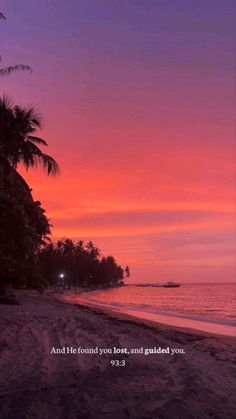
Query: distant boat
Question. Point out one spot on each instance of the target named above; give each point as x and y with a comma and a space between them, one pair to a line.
171, 284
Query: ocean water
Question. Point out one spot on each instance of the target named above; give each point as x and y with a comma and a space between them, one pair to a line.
209, 307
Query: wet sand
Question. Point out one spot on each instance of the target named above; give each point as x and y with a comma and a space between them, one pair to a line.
177, 322
36, 384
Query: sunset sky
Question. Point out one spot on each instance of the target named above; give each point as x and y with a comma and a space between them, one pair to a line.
138, 104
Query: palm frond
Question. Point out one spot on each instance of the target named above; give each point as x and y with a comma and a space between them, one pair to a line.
6, 71
17, 140
36, 140
29, 117
34, 117
50, 164
5, 103
2, 16
32, 156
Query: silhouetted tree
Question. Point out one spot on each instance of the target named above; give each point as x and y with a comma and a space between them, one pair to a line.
18, 142
23, 229
81, 264
127, 272
23, 225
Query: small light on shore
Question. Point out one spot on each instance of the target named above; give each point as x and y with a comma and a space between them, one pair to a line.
61, 275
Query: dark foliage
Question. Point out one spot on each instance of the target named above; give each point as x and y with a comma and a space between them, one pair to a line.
23, 224
70, 264
23, 229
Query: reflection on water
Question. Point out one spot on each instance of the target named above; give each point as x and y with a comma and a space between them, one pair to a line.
208, 303
215, 300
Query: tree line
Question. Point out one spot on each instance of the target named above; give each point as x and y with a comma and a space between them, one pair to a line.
69, 263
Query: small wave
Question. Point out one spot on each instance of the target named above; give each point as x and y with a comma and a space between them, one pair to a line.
165, 312
213, 310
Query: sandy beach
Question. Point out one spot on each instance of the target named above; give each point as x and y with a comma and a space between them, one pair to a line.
197, 381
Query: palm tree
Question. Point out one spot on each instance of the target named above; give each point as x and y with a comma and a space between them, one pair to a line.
5, 71
18, 142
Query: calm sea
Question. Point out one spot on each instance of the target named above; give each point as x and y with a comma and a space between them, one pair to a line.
190, 305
